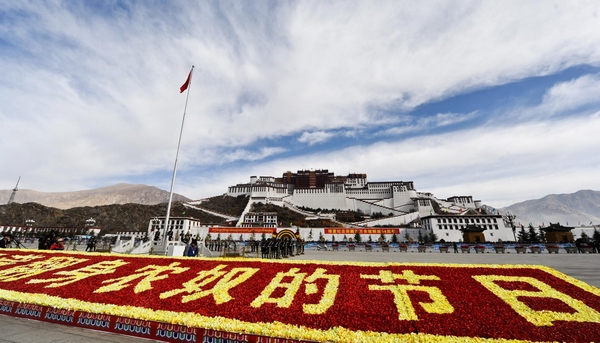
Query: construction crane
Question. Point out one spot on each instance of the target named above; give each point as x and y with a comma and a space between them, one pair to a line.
14, 192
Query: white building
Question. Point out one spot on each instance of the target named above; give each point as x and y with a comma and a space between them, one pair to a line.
398, 202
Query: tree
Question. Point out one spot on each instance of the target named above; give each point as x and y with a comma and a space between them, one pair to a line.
596, 235
382, 237
321, 237
426, 238
394, 238
522, 236
541, 235
432, 237
310, 235
332, 238
532, 234
370, 239
584, 237
420, 237
406, 236
510, 219
357, 237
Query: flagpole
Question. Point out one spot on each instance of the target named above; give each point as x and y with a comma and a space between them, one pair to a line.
189, 85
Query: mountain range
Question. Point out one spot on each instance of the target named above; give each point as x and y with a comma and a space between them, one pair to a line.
121, 193
574, 209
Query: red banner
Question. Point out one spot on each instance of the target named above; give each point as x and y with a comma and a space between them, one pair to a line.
239, 230
374, 231
312, 300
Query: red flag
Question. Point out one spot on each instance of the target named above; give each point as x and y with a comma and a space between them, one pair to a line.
186, 84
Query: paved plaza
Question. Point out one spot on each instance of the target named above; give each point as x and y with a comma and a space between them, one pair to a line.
585, 267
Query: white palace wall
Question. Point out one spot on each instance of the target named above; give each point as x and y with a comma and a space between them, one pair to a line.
319, 198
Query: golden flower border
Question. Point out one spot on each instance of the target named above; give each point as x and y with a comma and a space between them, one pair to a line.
274, 329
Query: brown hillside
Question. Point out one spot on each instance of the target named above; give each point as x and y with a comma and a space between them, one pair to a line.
110, 218
233, 206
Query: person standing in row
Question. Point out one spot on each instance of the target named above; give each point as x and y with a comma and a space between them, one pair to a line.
5, 242
58, 245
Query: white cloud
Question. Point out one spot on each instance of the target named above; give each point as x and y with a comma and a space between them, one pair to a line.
428, 123
574, 94
315, 137
92, 94
498, 165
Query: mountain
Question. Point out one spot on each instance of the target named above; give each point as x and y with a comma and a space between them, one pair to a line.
121, 193
579, 208
110, 218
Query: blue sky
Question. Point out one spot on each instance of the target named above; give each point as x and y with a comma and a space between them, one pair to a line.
499, 100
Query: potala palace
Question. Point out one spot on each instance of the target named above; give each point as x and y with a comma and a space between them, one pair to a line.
396, 207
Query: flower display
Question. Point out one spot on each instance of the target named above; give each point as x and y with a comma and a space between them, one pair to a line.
312, 300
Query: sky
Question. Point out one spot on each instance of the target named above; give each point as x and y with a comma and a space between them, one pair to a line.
495, 99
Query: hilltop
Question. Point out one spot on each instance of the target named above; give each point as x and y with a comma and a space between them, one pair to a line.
579, 208
121, 193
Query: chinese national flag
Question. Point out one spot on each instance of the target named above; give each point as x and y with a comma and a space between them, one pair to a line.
186, 84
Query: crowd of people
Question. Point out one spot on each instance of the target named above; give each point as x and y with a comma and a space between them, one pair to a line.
51, 242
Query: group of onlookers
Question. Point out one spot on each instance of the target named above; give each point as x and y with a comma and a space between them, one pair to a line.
594, 245
51, 242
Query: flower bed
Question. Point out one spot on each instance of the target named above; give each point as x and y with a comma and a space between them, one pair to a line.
368, 247
403, 247
571, 250
586, 248
351, 247
521, 250
443, 248
465, 248
479, 249
307, 300
535, 249
499, 248
552, 249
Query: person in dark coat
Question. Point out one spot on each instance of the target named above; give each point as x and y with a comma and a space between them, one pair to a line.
91, 245
192, 250
5, 242
42, 243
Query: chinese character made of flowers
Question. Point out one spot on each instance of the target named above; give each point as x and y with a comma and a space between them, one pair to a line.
582, 313
220, 291
147, 275
291, 288
38, 267
67, 277
406, 311
7, 260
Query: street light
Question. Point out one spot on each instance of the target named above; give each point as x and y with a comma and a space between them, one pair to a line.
29, 223
89, 224
510, 219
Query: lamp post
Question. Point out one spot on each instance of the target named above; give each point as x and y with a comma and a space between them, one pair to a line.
29, 223
510, 219
89, 224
